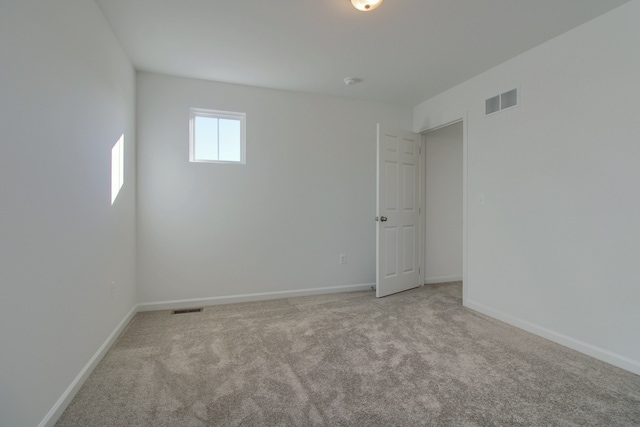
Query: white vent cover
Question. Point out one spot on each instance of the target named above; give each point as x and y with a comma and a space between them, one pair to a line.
501, 102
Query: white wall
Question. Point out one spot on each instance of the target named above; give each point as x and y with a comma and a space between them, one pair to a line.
555, 247
67, 94
278, 223
443, 218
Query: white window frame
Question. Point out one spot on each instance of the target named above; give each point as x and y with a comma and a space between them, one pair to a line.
218, 114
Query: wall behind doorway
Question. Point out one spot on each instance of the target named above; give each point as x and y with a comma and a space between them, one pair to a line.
444, 173
277, 224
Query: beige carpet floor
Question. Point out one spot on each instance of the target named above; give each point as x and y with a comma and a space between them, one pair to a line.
418, 358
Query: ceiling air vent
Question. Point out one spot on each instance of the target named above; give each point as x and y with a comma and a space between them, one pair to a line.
501, 102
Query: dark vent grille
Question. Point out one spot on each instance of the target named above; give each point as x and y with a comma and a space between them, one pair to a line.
509, 99
492, 105
501, 102
188, 310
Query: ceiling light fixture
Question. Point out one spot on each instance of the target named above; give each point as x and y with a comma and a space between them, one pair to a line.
366, 5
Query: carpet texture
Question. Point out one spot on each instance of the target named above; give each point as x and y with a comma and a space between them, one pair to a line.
418, 358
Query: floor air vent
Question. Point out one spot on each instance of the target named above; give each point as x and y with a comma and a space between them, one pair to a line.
187, 310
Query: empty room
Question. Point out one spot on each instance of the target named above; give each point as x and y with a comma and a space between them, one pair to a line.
331, 213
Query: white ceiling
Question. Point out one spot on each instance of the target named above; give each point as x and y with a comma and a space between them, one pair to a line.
405, 52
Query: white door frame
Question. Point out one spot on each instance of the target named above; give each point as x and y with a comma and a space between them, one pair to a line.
462, 117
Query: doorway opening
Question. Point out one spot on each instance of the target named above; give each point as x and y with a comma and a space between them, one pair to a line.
401, 211
444, 222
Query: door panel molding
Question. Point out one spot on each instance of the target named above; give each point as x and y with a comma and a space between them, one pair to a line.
398, 243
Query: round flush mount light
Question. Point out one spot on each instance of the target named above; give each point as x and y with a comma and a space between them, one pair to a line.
349, 81
366, 5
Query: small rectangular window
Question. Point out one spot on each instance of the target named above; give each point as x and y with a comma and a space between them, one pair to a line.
216, 136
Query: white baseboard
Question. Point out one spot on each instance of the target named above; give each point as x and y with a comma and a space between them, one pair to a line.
66, 398
583, 347
441, 279
186, 303
52, 417
56, 411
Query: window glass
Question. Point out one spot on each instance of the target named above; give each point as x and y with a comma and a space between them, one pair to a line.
216, 136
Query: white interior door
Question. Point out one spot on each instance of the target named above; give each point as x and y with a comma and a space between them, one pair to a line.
398, 211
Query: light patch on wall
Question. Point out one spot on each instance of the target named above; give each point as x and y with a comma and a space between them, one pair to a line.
117, 168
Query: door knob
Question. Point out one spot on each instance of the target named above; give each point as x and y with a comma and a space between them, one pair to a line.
383, 218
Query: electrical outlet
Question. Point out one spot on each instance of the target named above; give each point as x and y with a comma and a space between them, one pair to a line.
113, 290
343, 258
